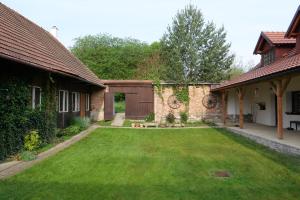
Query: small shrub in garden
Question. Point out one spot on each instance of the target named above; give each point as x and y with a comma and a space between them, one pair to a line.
72, 130
83, 123
150, 117
183, 117
170, 118
32, 141
27, 155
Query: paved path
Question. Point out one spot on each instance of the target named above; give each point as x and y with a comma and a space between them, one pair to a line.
119, 119
14, 167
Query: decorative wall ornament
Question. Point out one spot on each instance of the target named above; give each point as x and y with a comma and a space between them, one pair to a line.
210, 101
173, 102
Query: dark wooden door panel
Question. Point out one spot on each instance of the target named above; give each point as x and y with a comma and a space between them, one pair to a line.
108, 106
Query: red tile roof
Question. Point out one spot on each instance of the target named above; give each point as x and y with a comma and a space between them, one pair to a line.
288, 63
279, 38
273, 39
24, 41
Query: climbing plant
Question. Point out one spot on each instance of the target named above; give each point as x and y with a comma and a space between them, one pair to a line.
17, 118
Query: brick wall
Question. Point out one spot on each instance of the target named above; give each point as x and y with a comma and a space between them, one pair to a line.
97, 105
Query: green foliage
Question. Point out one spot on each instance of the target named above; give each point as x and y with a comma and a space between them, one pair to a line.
182, 94
119, 97
170, 118
72, 130
195, 50
28, 155
150, 117
183, 117
111, 57
105, 123
17, 118
32, 141
82, 123
120, 106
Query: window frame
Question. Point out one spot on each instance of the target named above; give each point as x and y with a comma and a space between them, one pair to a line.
269, 57
87, 102
294, 104
33, 91
65, 101
76, 104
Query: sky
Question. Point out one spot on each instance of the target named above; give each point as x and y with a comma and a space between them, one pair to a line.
147, 20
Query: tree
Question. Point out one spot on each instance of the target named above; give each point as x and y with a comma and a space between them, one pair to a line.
195, 50
111, 57
152, 67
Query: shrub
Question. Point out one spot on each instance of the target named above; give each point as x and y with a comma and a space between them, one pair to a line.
32, 141
170, 118
72, 130
27, 155
82, 123
150, 117
183, 117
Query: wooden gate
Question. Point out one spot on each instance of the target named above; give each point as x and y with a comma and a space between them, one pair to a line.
139, 98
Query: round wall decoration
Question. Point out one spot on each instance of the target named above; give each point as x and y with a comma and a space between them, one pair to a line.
209, 101
173, 102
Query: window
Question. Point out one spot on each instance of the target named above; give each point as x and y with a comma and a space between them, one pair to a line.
75, 101
87, 102
269, 57
63, 101
36, 97
296, 102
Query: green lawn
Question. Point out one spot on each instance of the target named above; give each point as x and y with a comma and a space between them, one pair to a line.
159, 164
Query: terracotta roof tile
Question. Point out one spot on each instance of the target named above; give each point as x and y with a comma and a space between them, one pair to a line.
279, 38
22, 40
284, 64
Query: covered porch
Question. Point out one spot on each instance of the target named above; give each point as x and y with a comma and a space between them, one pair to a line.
266, 110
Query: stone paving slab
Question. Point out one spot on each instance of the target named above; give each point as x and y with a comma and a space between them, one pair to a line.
11, 168
119, 119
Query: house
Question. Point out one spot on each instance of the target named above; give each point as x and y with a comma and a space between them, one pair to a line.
269, 94
31, 54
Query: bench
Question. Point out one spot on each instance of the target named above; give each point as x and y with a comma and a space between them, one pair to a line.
296, 124
146, 125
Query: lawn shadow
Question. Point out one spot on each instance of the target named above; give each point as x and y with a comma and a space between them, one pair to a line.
292, 162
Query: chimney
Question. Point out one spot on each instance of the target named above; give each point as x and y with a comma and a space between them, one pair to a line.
54, 31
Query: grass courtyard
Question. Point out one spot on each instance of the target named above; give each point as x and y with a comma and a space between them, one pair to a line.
159, 164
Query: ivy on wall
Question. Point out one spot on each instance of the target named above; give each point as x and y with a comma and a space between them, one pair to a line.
17, 118
182, 94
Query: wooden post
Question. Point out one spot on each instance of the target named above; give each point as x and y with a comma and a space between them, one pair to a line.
224, 105
279, 86
241, 93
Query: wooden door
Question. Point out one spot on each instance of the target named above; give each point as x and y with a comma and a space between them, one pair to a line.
131, 105
108, 106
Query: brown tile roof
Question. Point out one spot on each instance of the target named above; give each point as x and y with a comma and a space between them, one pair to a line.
24, 41
273, 39
291, 62
279, 38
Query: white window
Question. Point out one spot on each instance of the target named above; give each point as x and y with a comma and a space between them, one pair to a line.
75, 101
36, 97
63, 101
87, 102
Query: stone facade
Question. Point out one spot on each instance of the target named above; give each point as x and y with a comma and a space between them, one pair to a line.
195, 108
97, 105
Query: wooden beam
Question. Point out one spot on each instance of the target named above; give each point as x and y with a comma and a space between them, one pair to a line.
224, 105
241, 94
279, 87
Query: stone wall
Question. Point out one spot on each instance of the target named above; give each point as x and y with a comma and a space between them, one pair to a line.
97, 105
195, 108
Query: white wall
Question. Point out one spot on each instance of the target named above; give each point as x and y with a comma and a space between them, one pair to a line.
263, 94
287, 102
